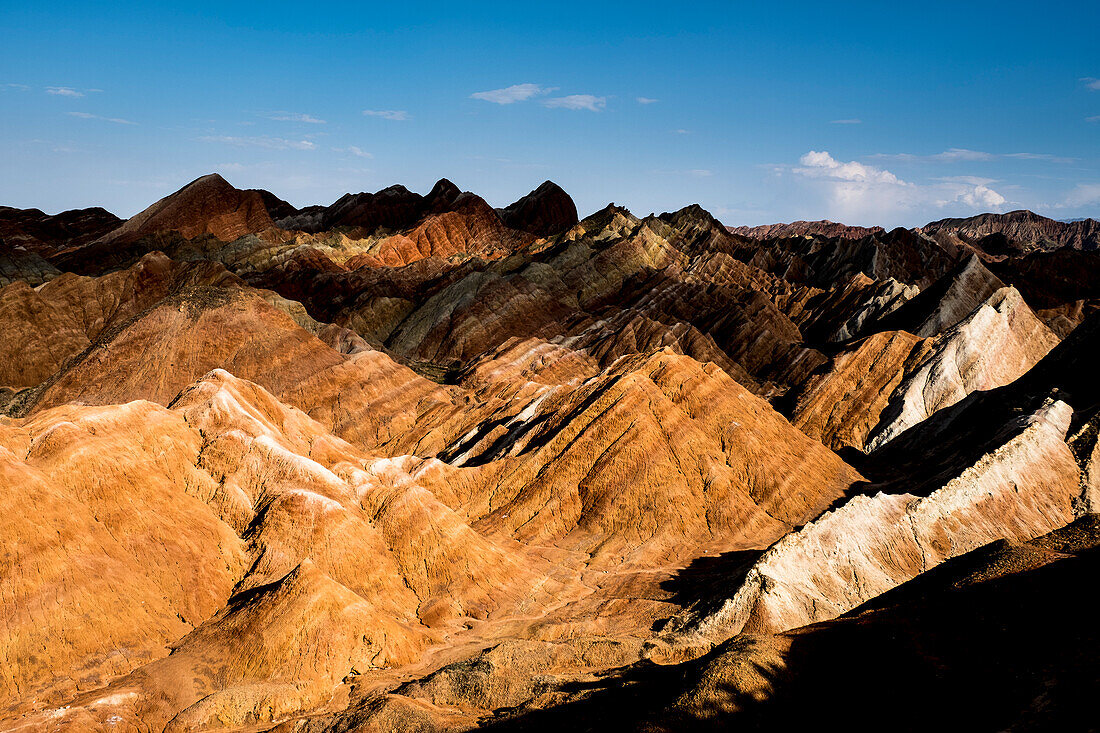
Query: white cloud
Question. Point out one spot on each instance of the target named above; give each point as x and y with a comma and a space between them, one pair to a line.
577, 101
270, 143
12, 85
646, 100
681, 131
293, 117
822, 165
1094, 118
701, 173
514, 93
1091, 83
981, 197
64, 92
851, 121
89, 116
854, 192
388, 114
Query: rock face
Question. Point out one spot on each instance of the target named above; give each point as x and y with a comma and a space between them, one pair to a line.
19, 264
873, 543
841, 406
998, 342
943, 304
408, 462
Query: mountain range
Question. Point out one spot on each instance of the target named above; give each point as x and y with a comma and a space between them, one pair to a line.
413, 463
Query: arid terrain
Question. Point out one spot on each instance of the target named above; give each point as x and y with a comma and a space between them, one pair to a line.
411, 463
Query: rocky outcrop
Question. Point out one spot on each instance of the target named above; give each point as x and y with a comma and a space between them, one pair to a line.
988, 625
820, 261
51, 324
468, 226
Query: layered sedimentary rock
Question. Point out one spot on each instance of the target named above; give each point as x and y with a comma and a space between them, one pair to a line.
818, 260
19, 264
842, 405
408, 462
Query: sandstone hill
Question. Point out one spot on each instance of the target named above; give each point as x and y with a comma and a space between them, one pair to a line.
411, 463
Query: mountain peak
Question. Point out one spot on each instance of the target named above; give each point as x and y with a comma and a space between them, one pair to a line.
546, 210
207, 205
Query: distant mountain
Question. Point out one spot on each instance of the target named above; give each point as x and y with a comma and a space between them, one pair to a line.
39, 232
824, 228
1016, 232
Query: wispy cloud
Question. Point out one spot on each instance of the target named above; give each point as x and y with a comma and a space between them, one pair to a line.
956, 155
852, 121
972, 180
13, 85
353, 150
1094, 118
1091, 82
646, 100
1083, 194
681, 131
270, 143
89, 116
701, 173
64, 92
388, 114
293, 117
577, 101
1040, 156
512, 94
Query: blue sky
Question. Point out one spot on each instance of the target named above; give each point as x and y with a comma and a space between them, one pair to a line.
868, 113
